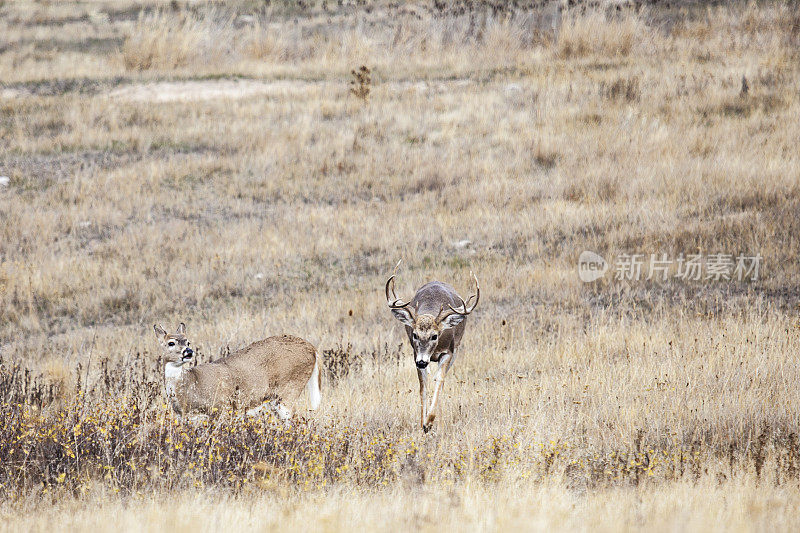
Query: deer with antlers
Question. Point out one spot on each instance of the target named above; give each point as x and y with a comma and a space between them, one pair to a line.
435, 319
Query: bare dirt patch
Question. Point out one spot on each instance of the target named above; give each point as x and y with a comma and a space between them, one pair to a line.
197, 90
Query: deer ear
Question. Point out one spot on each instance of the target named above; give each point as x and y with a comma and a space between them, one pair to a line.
453, 320
160, 332
182, 329
404, 316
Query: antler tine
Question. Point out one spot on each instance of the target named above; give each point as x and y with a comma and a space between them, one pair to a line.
462, 311
393, 301
477, 296
390, 281
388, 286
477, 291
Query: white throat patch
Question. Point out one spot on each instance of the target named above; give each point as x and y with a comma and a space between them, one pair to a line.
172, 373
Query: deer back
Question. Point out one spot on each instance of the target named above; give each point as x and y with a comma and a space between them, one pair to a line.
276, 367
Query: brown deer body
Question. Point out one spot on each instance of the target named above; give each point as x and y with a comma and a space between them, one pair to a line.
267, 373
435, 319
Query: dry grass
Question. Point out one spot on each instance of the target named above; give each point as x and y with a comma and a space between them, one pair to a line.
160, 40
596, 35
210, 164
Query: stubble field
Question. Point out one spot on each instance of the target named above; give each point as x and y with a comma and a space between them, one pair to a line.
220, 165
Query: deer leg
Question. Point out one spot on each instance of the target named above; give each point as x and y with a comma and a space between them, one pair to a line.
283, 413
438, 383
422, 374
195, 418
255, 411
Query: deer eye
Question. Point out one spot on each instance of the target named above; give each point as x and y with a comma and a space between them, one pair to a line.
414, 336
171, 343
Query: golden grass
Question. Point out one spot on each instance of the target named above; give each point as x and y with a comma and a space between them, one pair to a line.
161, 40
211, 165
703, 506
595, 35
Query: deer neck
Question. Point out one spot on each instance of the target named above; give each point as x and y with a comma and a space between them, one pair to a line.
173, 373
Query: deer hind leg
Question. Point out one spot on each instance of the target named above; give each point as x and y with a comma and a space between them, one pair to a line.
283, 413
438, 383
422, 374
195, 418
255, 411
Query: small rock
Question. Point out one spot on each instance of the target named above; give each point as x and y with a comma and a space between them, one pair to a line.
4, 181
259, 276
462, 244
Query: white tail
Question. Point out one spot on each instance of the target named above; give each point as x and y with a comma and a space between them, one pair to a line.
313, 387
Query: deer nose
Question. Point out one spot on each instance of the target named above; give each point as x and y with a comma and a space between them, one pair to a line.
422, 364
188, 352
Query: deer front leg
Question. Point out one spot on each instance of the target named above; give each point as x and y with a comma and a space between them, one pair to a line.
422, 374
438, 383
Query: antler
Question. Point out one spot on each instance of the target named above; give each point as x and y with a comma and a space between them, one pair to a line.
393, 301
464, 310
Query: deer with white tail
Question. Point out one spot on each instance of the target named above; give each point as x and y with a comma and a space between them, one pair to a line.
266, 374
435, 319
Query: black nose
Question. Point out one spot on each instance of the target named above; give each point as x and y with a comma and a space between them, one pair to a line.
188, 352
421, 364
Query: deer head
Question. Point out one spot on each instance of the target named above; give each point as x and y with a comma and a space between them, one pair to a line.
175, 345
426, 329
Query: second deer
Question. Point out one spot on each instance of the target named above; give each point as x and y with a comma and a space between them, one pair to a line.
265, 374
435, 319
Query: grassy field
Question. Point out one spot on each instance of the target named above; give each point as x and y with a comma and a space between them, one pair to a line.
221, 165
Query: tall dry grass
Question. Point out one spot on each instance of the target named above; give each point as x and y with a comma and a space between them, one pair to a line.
166, 40
154, 191
597, 35
162, 40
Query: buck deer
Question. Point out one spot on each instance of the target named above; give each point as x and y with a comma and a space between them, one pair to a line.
434, 328
262, 375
